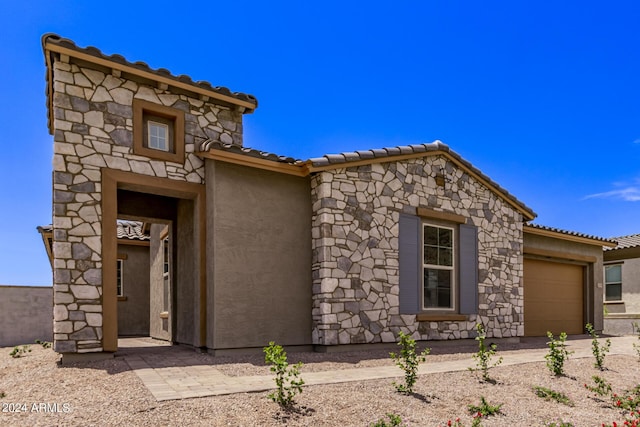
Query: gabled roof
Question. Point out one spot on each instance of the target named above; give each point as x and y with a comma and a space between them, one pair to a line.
55, 46
573, 236
255, 158
626, 242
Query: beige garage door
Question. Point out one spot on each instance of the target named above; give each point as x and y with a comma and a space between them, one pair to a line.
553, 298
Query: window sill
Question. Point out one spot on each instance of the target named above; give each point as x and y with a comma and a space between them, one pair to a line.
440, 317
614, 302
122, 298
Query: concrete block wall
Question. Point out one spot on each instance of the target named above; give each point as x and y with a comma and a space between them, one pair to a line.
26, 314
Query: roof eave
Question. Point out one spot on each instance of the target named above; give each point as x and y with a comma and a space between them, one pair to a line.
528, 228
50, 47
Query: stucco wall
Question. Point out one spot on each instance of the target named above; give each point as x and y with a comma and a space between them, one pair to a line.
630, 288
26, 314
133, 313
355, 251
259, 257
594, 273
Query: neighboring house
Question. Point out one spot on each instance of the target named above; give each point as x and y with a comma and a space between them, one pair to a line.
248, 247
622, 285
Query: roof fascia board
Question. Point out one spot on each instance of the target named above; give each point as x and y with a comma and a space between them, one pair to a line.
147, 75
240, 159
527, 215
568, 237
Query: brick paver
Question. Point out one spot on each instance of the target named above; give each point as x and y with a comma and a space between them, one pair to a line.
177, 373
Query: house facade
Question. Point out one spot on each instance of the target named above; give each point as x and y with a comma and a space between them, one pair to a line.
247, 247
622, 285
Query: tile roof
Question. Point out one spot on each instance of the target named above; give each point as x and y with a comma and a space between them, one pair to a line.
250, 152
131, 230
626, 242
56, 40
570, 233
368, 155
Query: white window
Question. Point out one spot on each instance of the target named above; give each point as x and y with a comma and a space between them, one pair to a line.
120, 278
158, 135
613, 282
438, 268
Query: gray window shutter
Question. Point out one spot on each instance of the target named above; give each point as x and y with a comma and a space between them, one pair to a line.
409, 260
468, 269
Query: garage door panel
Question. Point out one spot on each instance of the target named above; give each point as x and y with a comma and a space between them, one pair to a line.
553, 297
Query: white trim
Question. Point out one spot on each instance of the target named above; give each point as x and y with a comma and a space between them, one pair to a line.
163, 126
452, 268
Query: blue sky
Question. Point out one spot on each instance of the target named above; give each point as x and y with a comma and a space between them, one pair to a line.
544, 97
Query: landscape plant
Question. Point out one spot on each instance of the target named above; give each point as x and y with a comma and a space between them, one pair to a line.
485, 409
548, 394
559, 423
601, 388
19, 351
408, 360
485, 354
558, 353
288, 381
599, 350
394, 420
44, 344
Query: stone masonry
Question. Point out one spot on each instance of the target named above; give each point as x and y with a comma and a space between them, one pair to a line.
355, 230
93, 124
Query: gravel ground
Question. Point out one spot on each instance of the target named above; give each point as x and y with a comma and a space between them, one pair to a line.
108, 393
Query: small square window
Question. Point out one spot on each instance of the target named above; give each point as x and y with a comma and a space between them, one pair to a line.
158, 131
158, 135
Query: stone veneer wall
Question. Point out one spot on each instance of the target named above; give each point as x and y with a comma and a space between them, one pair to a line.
355, 251
93, 124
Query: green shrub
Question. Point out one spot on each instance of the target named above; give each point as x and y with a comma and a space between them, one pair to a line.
408, 360
548, 394
288, 383
484, 355
558, 353
44, 344
560, 423
19, 351
599, 350
394, 420
601, 388
485, 409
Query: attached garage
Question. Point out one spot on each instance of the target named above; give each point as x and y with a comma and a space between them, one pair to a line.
563, 281
553, 297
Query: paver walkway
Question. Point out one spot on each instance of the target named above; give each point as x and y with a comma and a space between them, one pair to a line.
173, 372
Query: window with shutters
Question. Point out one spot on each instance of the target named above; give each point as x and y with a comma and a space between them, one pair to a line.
439, 277
438, 265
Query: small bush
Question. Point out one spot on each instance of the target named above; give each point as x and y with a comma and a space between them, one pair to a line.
484, 355
558, 353
408, 360
44, 344
601, 388
287, 378
548, 394
2, 394
485, 409
599, 350
19, 351
394, 420
560, 423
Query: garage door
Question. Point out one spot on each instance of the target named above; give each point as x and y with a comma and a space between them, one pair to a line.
553, 298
